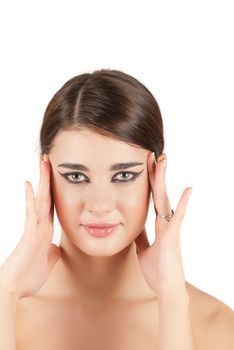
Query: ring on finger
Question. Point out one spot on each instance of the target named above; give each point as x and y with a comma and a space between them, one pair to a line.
167, 217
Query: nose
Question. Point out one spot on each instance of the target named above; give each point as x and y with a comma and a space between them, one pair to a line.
99, 200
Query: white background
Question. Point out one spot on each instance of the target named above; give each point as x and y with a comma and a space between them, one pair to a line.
183, 52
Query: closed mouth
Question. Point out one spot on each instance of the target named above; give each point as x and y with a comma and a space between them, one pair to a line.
101, 225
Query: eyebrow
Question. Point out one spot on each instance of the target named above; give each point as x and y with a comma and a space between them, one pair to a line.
117, 166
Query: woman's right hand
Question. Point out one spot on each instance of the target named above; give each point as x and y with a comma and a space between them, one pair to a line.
29, 265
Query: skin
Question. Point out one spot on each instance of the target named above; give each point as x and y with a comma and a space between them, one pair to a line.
96, 273
98, 267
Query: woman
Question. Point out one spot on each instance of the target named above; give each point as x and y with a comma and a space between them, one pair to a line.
104, 287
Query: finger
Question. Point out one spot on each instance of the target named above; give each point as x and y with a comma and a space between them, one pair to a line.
179, 214
31, 211
51, 213
142, 242
162, 204
30, 200
157, 175
151, 169
160, 179
181, 207
43, 199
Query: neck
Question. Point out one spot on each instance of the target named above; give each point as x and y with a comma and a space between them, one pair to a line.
100, 278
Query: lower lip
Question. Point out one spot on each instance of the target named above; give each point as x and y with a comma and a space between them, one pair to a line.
100, 232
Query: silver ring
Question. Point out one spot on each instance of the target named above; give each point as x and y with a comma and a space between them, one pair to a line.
167, 217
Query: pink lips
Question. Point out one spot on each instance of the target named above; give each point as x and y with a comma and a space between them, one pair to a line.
100, 230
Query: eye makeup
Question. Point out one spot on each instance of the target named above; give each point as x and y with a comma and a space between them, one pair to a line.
133, 176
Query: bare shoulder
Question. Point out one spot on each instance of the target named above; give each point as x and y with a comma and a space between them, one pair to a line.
214, 320
207, 305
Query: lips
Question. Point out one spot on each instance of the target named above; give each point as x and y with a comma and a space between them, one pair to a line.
100, 231
101, 225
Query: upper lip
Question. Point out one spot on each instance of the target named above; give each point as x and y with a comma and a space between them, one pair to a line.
100, 224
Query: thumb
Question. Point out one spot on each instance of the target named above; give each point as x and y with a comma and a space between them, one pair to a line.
53, 255
180, 211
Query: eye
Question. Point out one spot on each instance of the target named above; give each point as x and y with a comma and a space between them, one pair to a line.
73, 175
128, 177
70, 177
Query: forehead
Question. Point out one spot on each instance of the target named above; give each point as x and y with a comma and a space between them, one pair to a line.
74, 144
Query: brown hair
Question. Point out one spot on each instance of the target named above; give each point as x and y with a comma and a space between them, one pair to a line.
109, 102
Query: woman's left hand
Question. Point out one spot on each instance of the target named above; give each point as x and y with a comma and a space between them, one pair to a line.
161, 263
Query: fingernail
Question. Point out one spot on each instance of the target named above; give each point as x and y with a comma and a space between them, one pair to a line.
153, 157
162, 161
190, 191
26, 186
45, 158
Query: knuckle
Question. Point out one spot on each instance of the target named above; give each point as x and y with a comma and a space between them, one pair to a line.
43, 217
38, 220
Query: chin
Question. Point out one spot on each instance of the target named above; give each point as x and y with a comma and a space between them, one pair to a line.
100, 248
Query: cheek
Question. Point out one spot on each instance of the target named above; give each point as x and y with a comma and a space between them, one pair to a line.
136, 203
68, 209
68, 201
65, 200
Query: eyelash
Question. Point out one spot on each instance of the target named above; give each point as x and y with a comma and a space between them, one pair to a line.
135, 174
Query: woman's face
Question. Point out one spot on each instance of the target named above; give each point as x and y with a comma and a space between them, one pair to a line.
99, 194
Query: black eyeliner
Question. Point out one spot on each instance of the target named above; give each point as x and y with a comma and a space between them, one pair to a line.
133, 173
